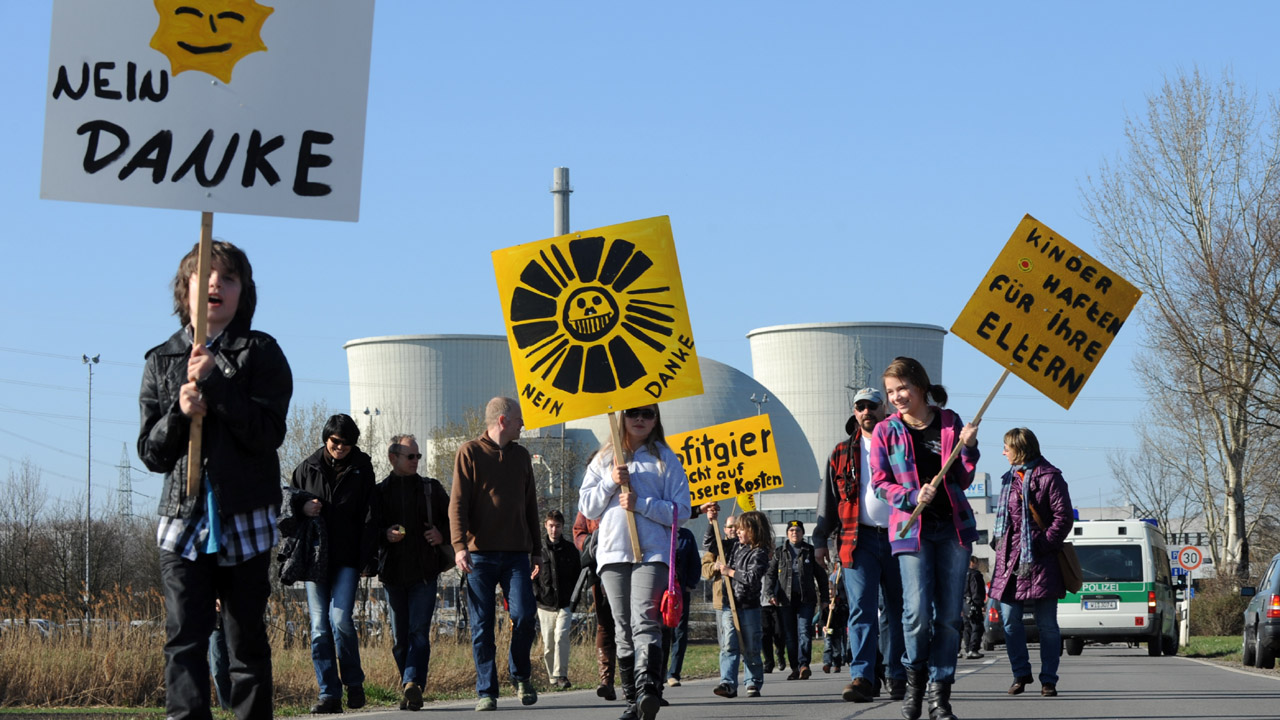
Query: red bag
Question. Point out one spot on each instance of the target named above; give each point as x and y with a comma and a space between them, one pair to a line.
672, 606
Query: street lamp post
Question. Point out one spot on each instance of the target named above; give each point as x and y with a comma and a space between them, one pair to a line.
761, 401
88, 482
551, 479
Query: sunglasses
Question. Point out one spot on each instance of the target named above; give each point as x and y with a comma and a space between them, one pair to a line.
339, 442
411, 456
866, 406
640, 414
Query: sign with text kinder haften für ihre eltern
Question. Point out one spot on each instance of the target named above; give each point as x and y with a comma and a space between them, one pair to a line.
597, 322
209, 105
1047, 311
729, 460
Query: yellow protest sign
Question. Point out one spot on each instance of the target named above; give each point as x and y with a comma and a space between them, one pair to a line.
1047, 311
597, 321
730, 459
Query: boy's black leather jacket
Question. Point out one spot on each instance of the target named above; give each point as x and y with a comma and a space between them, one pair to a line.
248, 400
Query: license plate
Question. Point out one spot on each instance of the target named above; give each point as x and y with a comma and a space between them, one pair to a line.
1101, 604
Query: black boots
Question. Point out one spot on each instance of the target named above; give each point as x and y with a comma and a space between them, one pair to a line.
940, 701
648, 695
914, 696
627, 677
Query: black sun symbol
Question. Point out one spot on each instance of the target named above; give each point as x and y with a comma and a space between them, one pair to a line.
565, 312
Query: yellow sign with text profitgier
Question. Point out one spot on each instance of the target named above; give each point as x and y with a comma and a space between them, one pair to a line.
730, 459
1047, 311
597, 321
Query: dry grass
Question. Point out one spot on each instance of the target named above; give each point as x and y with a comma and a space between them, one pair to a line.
120, 662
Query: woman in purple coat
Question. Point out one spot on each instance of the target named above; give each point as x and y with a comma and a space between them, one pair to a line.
1032, 521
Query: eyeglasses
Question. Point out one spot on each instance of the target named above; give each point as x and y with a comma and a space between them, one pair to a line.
411, 456
339, 442
864, 405
640, 414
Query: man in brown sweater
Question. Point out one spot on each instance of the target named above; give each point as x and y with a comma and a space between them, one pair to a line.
493, 519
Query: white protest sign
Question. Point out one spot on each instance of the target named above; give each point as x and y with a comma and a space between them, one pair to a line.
210, 105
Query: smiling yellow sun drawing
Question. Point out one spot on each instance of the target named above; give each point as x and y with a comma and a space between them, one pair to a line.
209, 35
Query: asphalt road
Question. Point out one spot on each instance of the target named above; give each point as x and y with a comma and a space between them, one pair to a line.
1106, 682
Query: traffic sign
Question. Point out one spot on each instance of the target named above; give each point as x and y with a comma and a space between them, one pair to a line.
1190, 557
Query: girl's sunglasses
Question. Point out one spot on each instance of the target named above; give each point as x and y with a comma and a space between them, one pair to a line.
640, 414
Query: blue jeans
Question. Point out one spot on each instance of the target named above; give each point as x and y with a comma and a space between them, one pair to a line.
330, 605
875, 572
411, 607
797, 622
1015, 637
933, 599
220, 664
752, 638
680, 639
836, 649
510, 570
730, 652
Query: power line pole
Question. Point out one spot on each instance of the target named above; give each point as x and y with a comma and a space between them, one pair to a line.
125, 488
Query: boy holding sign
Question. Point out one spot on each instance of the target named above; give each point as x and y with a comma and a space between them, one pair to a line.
215, 543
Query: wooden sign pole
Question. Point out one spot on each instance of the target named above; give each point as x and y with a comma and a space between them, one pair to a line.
200, 334
619, 449
728, 586
955, 453
831, 611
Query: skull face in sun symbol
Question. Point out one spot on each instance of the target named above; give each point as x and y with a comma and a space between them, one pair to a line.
590, 313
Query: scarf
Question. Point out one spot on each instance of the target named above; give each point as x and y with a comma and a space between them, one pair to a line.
1024, 509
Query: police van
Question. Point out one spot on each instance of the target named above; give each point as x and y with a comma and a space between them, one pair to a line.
1128, 591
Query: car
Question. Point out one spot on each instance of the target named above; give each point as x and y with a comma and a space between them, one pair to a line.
993, 625
1261, 640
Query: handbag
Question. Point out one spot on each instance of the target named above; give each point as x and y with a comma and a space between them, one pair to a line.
1068, 561
444, 551
672, 606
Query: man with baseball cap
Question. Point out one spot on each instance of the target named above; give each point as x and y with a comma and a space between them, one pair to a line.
849, 509
799, 585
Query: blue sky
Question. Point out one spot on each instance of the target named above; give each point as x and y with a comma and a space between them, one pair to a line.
820, 162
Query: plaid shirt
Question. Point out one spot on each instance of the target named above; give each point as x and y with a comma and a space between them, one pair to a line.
244, 535
839, 496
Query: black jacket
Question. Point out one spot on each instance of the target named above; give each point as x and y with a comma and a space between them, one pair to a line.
813, 585
248, 397
561, 564
304, 552
345, 489
404, 500
975, 591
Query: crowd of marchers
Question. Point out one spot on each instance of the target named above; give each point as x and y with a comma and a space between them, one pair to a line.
891, 599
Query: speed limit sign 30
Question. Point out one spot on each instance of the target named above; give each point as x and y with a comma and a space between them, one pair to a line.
1190, 557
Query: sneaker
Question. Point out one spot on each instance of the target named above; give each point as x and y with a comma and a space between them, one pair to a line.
412, 697
528, 695
858, 691
486, 702
725, 691
804, 672
355, 696
673, 681
327, 706
606, 692
753, 692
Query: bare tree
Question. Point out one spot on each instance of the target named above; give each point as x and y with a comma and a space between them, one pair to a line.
1188, 214
302, 435
22, 529
445, 440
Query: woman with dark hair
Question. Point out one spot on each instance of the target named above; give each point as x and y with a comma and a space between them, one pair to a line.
216, 543
659, 496
1032, 520
339, 478
908, 450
